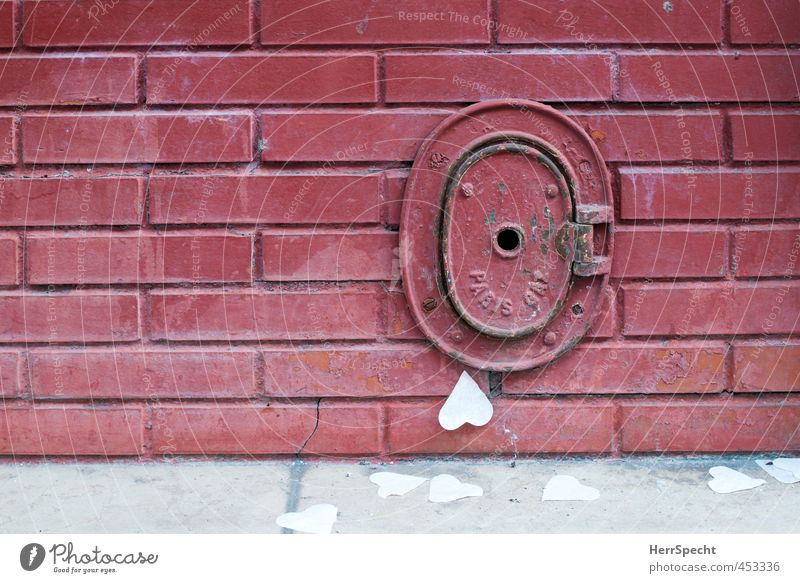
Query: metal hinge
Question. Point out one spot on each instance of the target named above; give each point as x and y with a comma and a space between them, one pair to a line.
585, 263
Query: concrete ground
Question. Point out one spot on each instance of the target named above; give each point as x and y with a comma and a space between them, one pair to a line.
637, 495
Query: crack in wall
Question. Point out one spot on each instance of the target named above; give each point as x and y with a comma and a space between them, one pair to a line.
313, 431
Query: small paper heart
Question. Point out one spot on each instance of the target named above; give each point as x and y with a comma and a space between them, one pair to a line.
780, 474
392, 484
446, 488
727, 480
564, 488
789, 464
316, 519
466, 404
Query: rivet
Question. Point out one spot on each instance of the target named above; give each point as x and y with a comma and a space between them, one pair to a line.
550, 338
468, 189
550, 191
429, 304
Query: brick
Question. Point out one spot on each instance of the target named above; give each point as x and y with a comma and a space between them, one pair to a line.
627, 368
349, 22
747, 193
248, 428
394, 190
344, 429
49, 202
760, 22
402, 370
142, 374
669, 252
11, 383
141, 258
330, 255
518, 426
767, 251
766, 367
8, 147
400, 323
268, 78
706, 76
9, 259
314, 198
52, 23
459, 77
137, 138
707, 309
67, 80
655, 136
766, 136
71, 430
612, 21
7, 22
314, 314
606, 323
706, 426
73, 317
357, 136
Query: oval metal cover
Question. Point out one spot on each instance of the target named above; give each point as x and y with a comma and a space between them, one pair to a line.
506, 235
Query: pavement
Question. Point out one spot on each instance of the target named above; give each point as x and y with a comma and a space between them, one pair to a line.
638, 494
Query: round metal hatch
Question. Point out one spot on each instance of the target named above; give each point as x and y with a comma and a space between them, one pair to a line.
506, 235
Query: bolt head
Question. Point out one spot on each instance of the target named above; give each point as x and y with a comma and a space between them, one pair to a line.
550, 191
550, 338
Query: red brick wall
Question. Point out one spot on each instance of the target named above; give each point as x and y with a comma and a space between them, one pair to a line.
199, 202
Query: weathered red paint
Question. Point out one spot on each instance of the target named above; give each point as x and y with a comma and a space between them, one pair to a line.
200, 203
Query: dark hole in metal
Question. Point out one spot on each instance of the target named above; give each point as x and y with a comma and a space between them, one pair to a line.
508, 239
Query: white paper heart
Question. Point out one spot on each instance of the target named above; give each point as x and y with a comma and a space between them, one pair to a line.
789, 464
466, 404
392, 484
446, 488
727, 480
562, 488
316, 519
783, 476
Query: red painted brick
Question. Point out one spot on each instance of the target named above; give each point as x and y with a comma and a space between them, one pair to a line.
312, 314
330, 255
713, 425
305, 198
249, 428
84, 201
67, 80
187, 256
353, 135
517, 426
612, 21
707, 76
400, 323
671, 193
134, 138
627, 368
766, 367
760, 22
71, 430
73, 317
606, 323
114, 374
52, 23
268, 78
7, 22
700, 309
656, 136
9, 260
669, 252
361, 371
336, 22
347, 429
767, 251
10, 374
394, 189
441, 77
766, 136
8, 147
